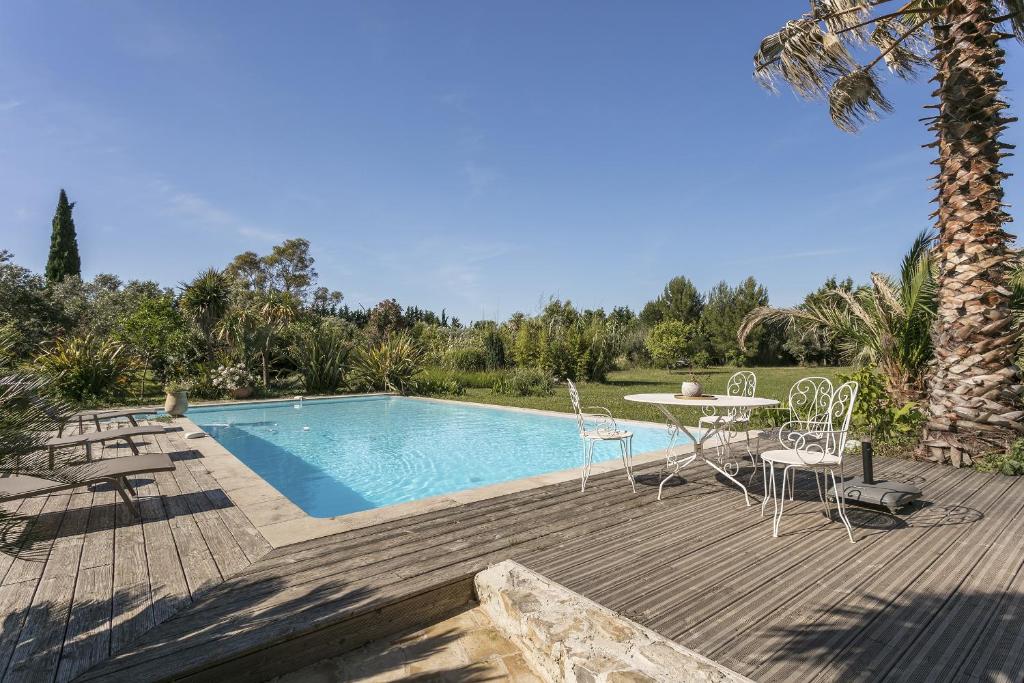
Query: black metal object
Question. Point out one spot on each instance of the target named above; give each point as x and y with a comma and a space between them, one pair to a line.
864, 489
867, 454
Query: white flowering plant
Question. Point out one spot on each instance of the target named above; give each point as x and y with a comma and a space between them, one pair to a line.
232, 377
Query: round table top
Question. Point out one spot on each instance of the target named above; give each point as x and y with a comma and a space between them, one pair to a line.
715, 401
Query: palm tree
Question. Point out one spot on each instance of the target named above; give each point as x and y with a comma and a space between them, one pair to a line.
205, 301
973, 383
885, 325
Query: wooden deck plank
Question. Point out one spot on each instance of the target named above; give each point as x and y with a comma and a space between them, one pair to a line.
835, 574
132, 607
831, 634
87, 640
197, 562
940, 568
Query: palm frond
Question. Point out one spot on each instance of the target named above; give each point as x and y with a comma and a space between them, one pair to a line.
856, 98
902, 55
807, 57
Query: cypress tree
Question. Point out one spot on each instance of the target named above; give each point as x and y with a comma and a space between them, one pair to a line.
64, 259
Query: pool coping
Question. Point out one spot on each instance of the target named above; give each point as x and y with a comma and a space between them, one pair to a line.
281, 522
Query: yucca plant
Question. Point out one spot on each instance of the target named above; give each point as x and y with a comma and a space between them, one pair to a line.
321, 355
86, 368
390, 365
205, 300
974, 384
886, 325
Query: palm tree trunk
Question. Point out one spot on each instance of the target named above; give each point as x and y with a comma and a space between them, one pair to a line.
974, 385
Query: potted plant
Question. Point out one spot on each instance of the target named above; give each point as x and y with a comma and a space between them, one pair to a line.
235, 380
691, 388
176, 403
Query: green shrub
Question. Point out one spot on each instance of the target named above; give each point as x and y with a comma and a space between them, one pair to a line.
482, 379
430, 385
524, 382
1011, 463
85, 369
876, 412
321, 355
467, 358
389, 365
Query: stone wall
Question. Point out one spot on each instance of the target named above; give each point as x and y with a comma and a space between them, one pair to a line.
568, 638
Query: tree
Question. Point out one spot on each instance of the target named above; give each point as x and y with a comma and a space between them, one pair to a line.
63, 259
669, 341
973, 384
287, 268
680, 301
722, 317
151, 330
385, 318
808, 344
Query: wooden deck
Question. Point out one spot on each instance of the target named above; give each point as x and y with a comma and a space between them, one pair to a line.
937, 593
94, 578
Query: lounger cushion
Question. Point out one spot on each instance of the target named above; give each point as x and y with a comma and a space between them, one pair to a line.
119, 467
21, 486
100, 437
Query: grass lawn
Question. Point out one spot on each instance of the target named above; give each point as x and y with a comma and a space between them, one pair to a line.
771, 383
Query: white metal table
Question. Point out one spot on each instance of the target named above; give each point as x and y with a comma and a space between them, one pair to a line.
715, 402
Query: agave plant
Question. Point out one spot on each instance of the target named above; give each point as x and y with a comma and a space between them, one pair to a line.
886, 324
390, 365
973, 385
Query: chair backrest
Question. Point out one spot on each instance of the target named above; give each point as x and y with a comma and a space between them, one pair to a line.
841, 413
810, 403
574, 396
742, 383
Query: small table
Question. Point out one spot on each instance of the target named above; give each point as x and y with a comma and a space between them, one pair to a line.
663, 401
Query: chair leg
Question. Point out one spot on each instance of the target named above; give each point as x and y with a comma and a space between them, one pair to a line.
626, 447
764, 477
792, 484
129, 503
131, 445
588, 459
128, 486
840, 489
96, 421
781, 500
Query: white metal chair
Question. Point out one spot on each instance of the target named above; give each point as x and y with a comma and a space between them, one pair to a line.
815, 442
742, 383
600, 426
808, 410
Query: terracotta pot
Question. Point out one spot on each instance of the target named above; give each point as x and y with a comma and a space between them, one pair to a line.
176, 404
691, 389
241, 392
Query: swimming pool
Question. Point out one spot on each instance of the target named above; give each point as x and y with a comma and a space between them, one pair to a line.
335, 456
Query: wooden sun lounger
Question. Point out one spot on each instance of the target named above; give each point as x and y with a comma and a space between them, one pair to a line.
91, 438
114, 471
95, 416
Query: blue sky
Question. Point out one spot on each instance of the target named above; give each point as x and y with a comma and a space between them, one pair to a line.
474, 156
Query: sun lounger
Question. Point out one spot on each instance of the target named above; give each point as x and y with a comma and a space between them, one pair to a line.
95, 416
91, 438
114, 471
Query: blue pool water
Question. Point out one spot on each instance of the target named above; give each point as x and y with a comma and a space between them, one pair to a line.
332, 457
